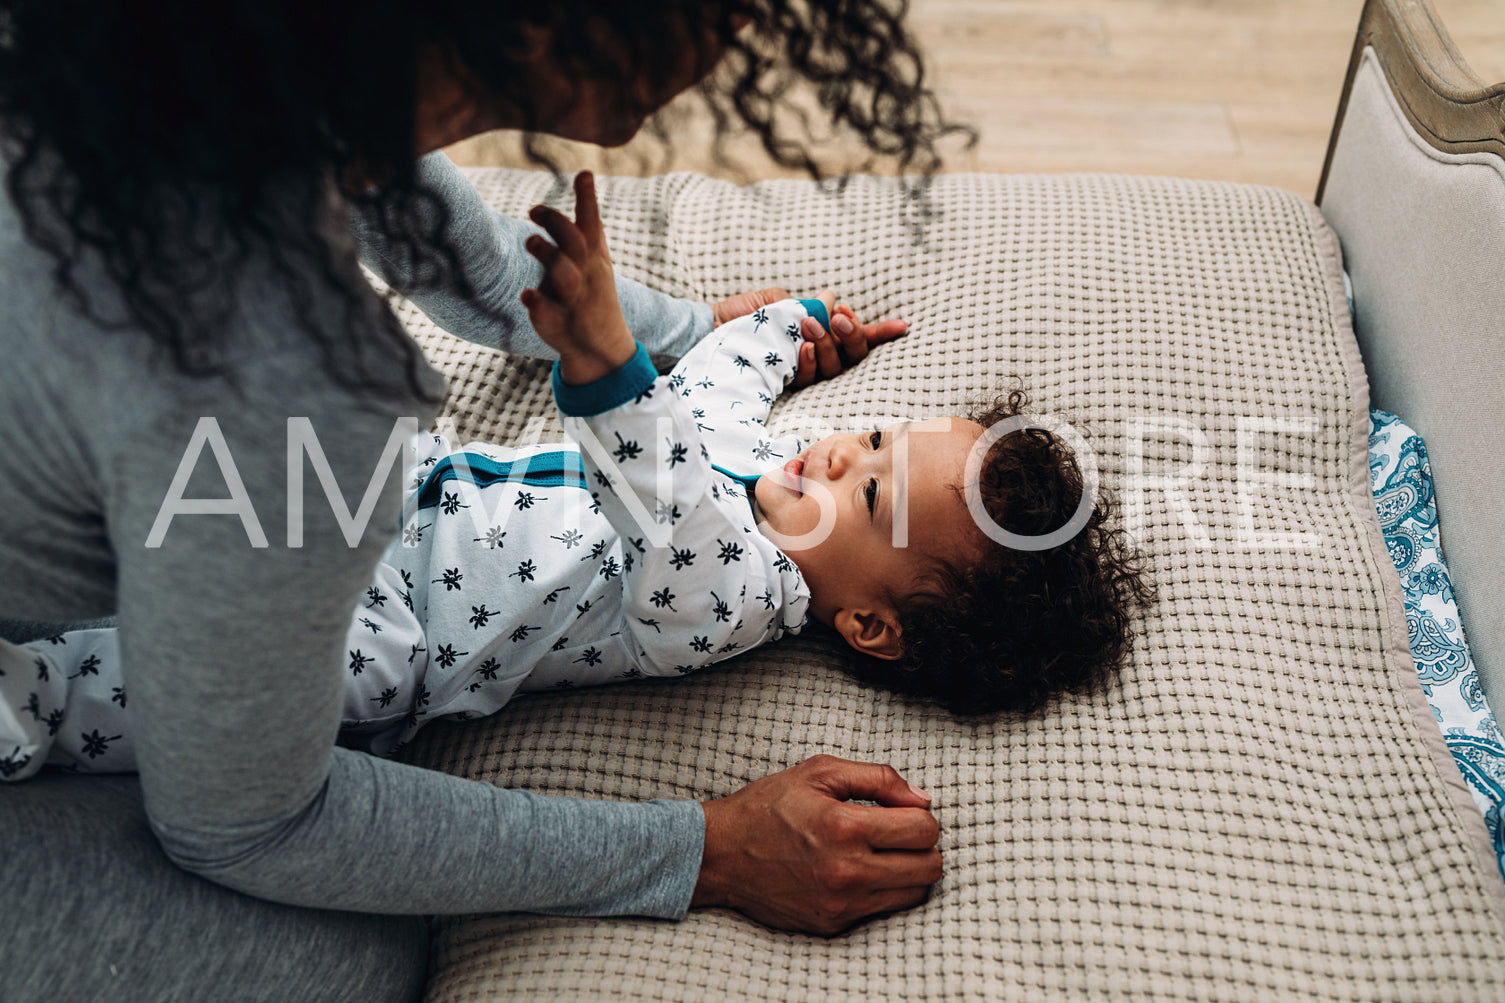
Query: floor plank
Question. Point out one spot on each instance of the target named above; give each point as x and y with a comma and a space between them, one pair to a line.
1238, 90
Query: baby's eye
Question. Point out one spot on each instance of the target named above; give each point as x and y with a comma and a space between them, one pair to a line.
874, 438
870, 492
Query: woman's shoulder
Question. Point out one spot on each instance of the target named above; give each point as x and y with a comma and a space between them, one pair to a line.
251, 346
206, 292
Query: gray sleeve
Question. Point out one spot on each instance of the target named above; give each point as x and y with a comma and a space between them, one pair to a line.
234, 664
490, 248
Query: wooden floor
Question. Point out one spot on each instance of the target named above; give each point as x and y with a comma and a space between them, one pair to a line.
1240, 90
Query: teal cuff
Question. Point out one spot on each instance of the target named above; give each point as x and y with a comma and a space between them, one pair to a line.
631, 381
817, 309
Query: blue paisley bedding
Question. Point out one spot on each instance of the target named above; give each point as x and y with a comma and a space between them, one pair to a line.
1401, 480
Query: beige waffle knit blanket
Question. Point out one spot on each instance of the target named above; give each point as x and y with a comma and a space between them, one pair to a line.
1259, 808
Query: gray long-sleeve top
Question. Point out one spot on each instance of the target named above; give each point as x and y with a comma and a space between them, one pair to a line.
232, 649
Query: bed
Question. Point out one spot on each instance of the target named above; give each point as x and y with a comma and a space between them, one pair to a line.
1262, 805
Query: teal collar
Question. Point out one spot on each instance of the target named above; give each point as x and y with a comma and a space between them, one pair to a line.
749, 486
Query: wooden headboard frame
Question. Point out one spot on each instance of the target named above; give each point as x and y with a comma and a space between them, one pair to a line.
1414, 186
1445, 101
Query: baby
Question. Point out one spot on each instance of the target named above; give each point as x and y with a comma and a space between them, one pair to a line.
675, 533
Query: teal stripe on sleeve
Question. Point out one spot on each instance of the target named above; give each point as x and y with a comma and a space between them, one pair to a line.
817, 309
557, 468
631, 381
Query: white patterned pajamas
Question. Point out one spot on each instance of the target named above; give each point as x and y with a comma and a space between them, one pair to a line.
630, 552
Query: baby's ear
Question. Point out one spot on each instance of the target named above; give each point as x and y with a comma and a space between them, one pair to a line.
872, 632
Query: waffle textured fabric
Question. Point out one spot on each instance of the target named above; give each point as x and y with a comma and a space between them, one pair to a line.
1259, 807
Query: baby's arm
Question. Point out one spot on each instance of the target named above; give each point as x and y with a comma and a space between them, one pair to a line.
729, 382
575, 309
699, 582
745, 364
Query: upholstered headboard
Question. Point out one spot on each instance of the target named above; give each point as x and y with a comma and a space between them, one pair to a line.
1414, 186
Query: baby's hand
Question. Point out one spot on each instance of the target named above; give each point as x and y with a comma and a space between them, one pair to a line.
575, 309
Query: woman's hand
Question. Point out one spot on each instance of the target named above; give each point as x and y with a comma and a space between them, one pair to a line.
824, 354
743, 304
575, 309
792, 852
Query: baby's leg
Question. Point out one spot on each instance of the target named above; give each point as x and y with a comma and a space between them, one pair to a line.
65, 698
387, 661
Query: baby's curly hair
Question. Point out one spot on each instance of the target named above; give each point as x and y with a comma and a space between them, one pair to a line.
1020, 627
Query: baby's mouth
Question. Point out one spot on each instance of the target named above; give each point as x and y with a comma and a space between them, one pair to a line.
794, 468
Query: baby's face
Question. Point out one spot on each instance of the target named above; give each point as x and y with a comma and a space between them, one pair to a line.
892, 502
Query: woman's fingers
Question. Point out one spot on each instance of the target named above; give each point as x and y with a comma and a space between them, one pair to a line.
792, 852
895, 899
804, 370
882, 330
745, 303
849, 337
827, 354
904, 829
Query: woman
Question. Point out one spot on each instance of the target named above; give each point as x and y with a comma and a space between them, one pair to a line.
189, 187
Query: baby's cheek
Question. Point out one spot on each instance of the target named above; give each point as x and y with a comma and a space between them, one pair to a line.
804, 518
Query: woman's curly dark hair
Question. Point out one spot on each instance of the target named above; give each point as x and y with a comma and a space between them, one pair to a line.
1019, 627
150, 134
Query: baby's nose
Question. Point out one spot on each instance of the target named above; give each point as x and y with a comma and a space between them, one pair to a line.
843, 455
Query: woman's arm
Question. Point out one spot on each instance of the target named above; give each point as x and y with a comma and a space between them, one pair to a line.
490, 247
233, 657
